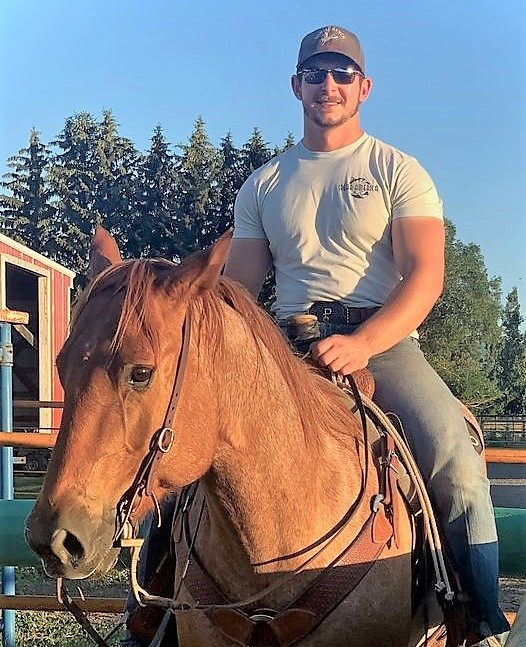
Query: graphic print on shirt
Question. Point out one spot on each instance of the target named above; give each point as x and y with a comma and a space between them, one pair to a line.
359, 187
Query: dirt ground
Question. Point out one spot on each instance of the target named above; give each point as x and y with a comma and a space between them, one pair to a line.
512, 592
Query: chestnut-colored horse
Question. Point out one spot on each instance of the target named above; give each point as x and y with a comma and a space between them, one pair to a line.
278, 454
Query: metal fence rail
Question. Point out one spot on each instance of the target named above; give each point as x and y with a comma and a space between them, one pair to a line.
504, 431
51, 603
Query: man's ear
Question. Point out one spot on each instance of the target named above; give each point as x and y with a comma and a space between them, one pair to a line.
295, 82
365, 89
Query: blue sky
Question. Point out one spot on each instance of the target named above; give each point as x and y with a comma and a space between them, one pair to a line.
449, 86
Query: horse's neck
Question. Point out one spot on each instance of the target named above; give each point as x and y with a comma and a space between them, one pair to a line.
272, 491
268, 511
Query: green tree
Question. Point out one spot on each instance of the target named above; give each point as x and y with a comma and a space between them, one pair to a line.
115, 175
229, 178
461, 335
26, 212
92, 176
152, 226
196, 176
512, 359
288, 143
71, 176
255, 153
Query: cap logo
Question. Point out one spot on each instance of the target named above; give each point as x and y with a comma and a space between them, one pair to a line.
327, 34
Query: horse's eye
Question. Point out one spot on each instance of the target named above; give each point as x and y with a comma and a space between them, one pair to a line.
139, 376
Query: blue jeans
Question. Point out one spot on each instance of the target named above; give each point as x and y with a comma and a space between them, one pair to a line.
408, 386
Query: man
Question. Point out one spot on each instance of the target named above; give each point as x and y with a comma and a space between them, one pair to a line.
354, 230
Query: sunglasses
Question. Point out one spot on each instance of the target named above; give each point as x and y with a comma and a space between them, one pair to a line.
339, 75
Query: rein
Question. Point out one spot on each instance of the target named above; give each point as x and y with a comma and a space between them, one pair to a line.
299, 617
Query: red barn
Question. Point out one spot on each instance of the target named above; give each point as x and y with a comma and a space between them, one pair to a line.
32, 283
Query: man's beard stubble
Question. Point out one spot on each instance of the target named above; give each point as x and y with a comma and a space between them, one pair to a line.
326, 121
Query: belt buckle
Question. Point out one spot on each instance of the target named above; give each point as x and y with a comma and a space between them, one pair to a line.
326, 314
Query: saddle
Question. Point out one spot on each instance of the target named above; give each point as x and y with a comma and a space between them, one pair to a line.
302, 331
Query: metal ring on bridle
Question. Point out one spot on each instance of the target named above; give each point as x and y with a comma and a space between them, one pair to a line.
165, 440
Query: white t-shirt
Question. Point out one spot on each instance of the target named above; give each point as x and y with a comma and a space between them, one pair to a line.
327, 217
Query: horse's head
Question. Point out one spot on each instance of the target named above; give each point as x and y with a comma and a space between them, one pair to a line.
118, 368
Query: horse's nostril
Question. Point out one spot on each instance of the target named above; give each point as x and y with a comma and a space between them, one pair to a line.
73, 546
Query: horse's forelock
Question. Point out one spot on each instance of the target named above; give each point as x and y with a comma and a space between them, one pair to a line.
135, 282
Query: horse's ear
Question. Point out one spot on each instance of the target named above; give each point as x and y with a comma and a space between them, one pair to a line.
103, 252
214, 261
201, 270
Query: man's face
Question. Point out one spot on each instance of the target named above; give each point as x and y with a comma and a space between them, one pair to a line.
329, 103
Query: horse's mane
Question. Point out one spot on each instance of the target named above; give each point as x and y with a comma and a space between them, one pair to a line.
321, 406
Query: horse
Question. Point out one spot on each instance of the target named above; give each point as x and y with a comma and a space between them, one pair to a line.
174, 376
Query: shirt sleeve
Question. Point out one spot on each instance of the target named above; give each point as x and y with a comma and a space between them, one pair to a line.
414, 193
247, 214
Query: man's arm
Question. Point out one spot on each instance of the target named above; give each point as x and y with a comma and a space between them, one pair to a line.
248, 262
418, 247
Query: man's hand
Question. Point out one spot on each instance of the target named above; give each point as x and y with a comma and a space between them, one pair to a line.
418, 247
341, 354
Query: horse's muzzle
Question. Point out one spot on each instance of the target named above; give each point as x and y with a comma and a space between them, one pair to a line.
71, 545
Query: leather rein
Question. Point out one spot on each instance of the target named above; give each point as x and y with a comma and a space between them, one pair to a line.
293, 621
259, 626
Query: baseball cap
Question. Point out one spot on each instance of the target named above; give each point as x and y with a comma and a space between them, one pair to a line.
332, 39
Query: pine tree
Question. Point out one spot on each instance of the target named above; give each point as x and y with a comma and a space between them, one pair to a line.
72, 177
116, 176
26, 212
512, 359
228, 181
196, 170
255, 153
288, 143
152, 229
92, 176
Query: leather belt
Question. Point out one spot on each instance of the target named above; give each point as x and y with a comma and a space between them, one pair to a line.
335, 312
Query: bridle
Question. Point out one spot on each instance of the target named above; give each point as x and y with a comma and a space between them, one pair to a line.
162, 441
143, 484
160, 444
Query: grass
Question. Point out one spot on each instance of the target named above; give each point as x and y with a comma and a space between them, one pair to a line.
60, 629
47, 629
